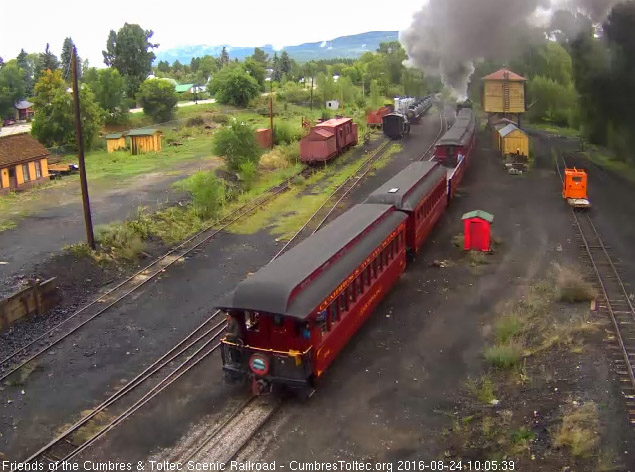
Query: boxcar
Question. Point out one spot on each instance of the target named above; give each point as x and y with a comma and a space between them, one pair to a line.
288, 321
395, 125
318, 146
420, 191
373, 117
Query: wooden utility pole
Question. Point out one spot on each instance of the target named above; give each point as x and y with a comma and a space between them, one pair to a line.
271, 110
312, 91
88, 221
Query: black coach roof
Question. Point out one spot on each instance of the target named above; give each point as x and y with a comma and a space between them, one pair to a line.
460, 132
406, 189
271, 289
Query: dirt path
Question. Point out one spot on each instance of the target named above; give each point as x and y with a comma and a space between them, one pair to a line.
55, 218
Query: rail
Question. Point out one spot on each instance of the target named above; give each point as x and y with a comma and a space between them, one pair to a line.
133, 283
617, 301
442, 129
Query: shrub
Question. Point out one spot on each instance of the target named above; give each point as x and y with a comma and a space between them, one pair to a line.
195, 121
208, 193
284, 133
221, 118
294, 93
158, 99
247, 174
123, 241
234, 86
237, 142
571, 286
578, 430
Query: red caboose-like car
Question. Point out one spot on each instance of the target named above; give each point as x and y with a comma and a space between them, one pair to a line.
420, 191
328, 139
454, 149
288, 321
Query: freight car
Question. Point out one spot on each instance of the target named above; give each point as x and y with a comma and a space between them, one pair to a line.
373, 117
395, 125
328, 140
454, 148
288, 321
418, 109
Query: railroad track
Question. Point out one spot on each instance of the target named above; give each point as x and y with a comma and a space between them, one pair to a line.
103, 303
442, 129
317, 219
615, 302
228, 438
188, 353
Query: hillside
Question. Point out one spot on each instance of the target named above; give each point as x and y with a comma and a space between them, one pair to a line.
351, 46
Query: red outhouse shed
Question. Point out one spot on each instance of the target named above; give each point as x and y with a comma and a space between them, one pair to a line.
476, 230
263, 135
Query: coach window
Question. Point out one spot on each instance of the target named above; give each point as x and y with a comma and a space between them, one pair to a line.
252, 320
367, 275
351, 292
343, 304
380, 261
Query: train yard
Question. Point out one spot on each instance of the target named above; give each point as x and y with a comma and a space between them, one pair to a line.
405, 366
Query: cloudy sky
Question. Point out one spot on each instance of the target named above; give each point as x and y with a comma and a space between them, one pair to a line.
238, 22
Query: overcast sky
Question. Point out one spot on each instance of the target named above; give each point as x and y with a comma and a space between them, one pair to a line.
239, 22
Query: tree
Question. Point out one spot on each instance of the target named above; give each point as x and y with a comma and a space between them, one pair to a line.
130, 52
285, 63
158, 99
327, 87
177, 66
195, 64
1, 62
233, 85
256, 70
66, 59
109, 88
54, 122
260, 56
208, 66
12, 87
163, 66
375, 95
48, 60
237, 143
347, 91
277, 73
395, 55
224, 57
553, 101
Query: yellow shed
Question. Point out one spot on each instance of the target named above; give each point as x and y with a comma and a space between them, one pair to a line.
512, 139
504, 92
115, 141
144, 140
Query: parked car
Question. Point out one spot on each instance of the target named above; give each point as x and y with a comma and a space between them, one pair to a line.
8, 122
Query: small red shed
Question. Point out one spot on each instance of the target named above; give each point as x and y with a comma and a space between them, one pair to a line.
477, 230
263, 135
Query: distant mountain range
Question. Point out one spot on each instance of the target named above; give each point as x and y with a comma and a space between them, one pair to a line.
343, 47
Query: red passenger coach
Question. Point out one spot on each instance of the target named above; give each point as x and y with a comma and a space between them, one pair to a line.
454, 149
420, 190
288, 321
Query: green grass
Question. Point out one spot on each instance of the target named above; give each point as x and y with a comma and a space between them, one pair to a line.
554, 129
507, 328
287, 213
482, 390
603, 158
578, 430
504, 355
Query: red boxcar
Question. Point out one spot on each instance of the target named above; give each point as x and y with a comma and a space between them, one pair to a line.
373, 117
318, 145
420, 190
345, 132
288, 321
454, 149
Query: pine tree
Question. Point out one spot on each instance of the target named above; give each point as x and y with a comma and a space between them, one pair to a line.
66, 59
27, 69
224, 57
48, 60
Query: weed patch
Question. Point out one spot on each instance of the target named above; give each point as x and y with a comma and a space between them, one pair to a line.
504, 355
571, 285
508, 328
579, 430
482, 390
